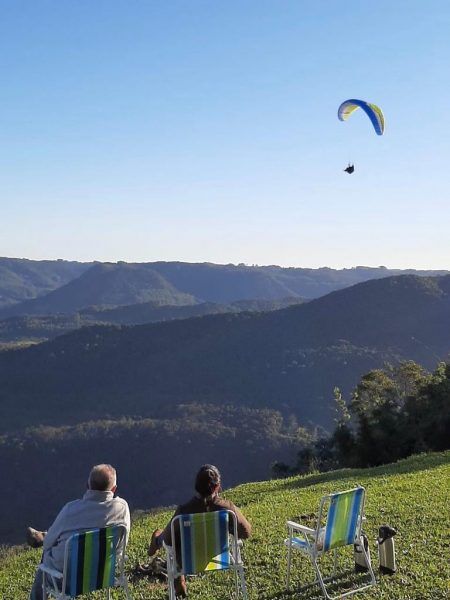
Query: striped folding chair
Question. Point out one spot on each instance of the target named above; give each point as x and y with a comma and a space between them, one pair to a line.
203, 543
93, 560
342, 528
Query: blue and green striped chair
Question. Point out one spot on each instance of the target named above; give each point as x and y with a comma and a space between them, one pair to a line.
338, 525
93, 560
203, 543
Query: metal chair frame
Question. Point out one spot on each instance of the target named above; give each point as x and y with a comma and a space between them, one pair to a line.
311, 545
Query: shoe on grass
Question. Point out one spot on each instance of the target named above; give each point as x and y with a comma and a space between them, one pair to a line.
35, 538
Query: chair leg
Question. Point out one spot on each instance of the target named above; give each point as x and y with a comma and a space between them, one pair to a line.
288, 576
44, 587
369, 564
321, 580
236, 582
126, 589
170, 580
319, 577
170, 572
170, 585
243, 584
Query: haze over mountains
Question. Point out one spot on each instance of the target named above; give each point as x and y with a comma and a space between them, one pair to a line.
49, 287
231, 387
62, 296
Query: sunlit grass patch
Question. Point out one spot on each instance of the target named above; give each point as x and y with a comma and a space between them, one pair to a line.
411, 495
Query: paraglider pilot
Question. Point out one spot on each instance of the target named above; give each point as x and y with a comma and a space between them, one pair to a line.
350, 169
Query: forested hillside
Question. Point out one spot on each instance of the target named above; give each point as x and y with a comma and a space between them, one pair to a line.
238, 389
289, 359
167, 450
38, 328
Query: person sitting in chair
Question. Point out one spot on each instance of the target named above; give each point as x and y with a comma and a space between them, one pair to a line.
206, 499
97, 509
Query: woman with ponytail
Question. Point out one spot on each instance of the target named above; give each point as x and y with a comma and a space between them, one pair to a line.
206, 499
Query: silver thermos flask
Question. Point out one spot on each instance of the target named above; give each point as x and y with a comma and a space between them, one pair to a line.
386, 550
360, 559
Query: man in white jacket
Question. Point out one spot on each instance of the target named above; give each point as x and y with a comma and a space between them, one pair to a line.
98, 508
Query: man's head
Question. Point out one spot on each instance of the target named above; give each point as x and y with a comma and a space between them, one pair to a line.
103, 478
207, 482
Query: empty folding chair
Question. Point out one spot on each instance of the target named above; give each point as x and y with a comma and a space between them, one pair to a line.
342, 528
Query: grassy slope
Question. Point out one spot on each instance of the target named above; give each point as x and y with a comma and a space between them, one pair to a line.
412, 495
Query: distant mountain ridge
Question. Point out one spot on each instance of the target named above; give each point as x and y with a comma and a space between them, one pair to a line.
38, 328
224, 283
288, 360
53, 287
105, 285
22, 279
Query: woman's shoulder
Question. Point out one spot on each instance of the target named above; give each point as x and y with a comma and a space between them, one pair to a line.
224, 504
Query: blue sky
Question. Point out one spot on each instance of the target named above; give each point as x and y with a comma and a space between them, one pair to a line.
207, 131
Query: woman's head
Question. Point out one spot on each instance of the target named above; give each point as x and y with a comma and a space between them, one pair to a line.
207, 481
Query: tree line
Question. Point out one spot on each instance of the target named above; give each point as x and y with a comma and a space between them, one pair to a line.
392, 413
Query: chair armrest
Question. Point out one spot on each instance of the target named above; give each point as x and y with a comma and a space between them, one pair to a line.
302, 528
50, 571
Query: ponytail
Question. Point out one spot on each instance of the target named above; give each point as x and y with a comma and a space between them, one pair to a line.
206, 483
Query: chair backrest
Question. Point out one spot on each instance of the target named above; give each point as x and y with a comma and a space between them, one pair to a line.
91, 558
344, 517
204, 541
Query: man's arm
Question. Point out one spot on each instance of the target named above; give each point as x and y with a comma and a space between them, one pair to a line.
127, 521
55, 530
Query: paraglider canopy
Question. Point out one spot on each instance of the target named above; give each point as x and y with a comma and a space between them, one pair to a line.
350, 169
373, 111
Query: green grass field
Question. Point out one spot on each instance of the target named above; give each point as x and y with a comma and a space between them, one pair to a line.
411, 495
